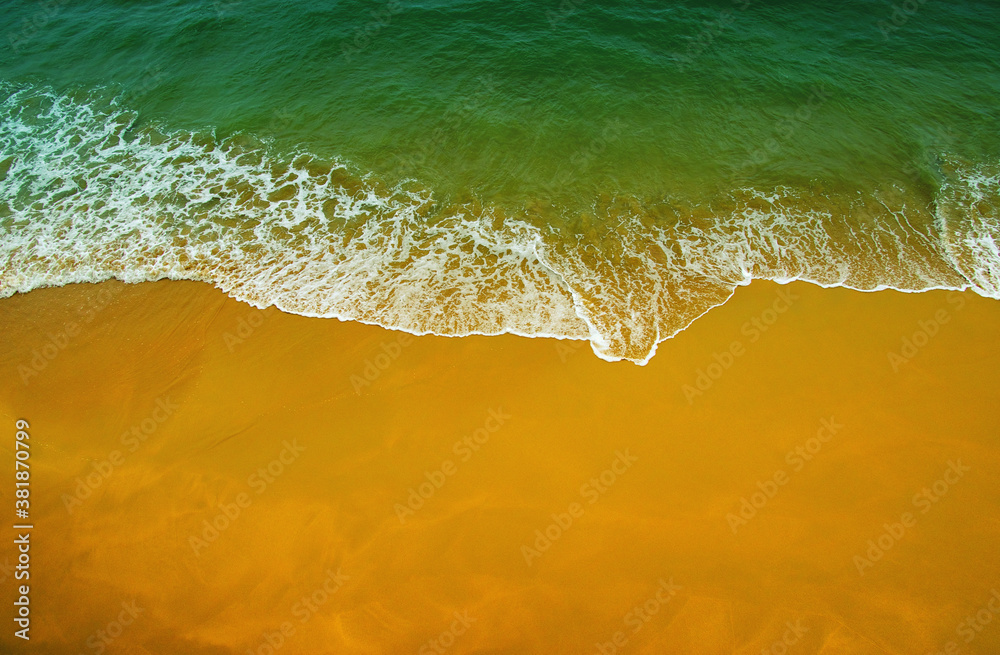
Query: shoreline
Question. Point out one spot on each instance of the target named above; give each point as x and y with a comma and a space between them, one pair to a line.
502, 493
968, 288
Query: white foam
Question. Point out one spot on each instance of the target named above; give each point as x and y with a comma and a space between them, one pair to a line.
88, 200
969, 214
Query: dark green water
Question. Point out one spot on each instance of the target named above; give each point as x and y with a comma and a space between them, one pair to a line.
585, 169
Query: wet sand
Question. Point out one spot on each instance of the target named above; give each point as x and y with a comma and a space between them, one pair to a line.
787, 475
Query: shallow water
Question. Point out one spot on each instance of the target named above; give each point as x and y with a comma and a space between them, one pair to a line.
598, 171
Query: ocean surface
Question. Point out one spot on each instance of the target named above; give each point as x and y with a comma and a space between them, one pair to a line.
575, 168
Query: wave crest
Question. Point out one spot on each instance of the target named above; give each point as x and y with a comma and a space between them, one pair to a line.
87, 196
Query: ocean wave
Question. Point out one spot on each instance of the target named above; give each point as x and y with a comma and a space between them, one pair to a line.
86, 195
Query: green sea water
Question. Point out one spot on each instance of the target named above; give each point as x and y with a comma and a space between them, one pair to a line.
598, 170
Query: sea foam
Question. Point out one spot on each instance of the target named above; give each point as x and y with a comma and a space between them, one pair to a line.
87, 197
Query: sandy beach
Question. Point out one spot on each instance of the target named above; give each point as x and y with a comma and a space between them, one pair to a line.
255, 256
803, 470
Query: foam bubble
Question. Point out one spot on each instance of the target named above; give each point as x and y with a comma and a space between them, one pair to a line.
87, 197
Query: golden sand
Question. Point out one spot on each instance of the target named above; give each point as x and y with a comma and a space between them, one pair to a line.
209, 478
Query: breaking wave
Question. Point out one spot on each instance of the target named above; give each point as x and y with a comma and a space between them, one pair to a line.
86, 196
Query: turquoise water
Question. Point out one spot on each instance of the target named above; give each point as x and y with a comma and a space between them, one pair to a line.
594, 170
